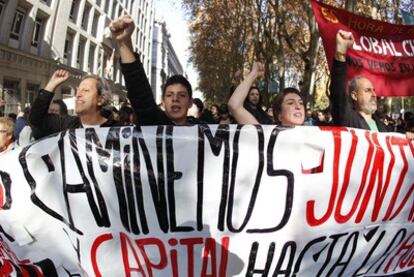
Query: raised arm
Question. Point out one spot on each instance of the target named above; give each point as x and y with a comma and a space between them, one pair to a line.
339, 98
136, 81
238, 97
41, 104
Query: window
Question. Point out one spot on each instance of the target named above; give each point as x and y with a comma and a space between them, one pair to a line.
91, 57
47, 2
17, 24
85, 17
113, 10
31, 92
36, 31
95, 24
2, 5
106, 9
67, 55
73, 10
79, 57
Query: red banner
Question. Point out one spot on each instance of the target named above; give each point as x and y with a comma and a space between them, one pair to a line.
382, 52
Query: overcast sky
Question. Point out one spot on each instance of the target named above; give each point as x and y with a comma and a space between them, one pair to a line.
173, 14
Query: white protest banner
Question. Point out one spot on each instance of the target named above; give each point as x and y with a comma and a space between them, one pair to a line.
208, 201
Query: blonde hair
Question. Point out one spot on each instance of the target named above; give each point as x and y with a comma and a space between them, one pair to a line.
9, 123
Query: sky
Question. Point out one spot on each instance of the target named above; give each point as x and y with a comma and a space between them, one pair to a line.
173, 14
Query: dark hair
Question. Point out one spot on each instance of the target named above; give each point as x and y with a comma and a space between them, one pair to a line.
199, 104
124, 114
62, 106
260, 96
277, 103
178, 79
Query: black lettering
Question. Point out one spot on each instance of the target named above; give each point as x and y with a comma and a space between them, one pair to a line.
172, 175
292, 251
216, 143
251, 270
256, 183
271, 171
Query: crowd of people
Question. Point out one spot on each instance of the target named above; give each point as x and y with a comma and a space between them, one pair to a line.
354, 105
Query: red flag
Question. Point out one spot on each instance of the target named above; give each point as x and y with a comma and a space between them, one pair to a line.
383, 52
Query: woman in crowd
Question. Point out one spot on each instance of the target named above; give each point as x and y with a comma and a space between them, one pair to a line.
6, 134
288, 107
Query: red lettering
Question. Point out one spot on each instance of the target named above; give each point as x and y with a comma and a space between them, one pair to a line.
125, 244
190, 242
98, 241
209, 251
401, 143
161, 250
6, 268
338, 216
225, 241
376, 174
310, 205
405, 248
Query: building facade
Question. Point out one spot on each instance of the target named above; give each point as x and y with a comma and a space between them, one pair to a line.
39, 36
165, 62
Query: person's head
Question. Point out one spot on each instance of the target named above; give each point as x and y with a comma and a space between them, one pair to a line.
214, 109
6, 133
197, 108
58, 107
223, 112
254, 97
308, 113
363, 95
126, 115
91, 95
321, 116
289, 108
12, 116
177, 98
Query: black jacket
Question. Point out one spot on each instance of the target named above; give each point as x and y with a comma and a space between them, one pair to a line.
343, 113
141, 97
44, 123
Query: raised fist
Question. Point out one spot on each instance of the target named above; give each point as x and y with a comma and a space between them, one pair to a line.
122, 28
344, 40
59, 77
258, 69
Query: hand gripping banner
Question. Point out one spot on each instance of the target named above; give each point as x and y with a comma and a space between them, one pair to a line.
382, 52
208, 201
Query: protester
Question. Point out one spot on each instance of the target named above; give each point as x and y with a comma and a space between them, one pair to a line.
198, 111
224, 115
289, 108
90, 98
360, 111
126, 116
58, 107
245, 102
176, 93
21, 121
6, 134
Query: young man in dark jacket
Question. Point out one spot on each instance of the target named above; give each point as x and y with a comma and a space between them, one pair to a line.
177, 92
